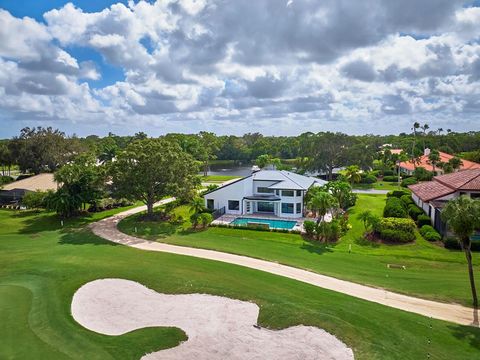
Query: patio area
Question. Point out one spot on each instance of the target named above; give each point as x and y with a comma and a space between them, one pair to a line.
227, 219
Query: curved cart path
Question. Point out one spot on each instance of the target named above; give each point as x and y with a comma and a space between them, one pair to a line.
455, 313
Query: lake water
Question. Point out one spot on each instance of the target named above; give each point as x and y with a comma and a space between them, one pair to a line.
230, 169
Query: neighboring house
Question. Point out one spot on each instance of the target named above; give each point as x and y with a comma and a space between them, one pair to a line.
15, 191
408, 167
270, 192
432, 196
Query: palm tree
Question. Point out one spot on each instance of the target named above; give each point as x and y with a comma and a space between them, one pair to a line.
434, 159
439, 131
321, 203
415, 127
196, 205
462, 216
352, 173
364, 217
425, 127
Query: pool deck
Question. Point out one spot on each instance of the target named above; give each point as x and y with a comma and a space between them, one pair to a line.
228, 218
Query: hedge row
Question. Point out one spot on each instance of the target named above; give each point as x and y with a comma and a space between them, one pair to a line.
395, 208
396, 229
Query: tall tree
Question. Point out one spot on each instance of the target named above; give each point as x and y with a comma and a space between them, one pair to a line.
456, 163
352, 174
151, 169
462, 216
207, 149
321, 202
425, 127
434, 159
328, 151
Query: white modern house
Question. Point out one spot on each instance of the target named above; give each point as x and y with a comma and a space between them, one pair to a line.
268, 192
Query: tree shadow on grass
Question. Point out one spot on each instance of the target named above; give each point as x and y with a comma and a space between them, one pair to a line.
468, 333
362, 241
317, 247
83, 237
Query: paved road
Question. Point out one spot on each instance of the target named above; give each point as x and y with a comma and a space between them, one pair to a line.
455, 313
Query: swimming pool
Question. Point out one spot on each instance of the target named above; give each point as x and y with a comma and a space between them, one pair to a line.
272, 223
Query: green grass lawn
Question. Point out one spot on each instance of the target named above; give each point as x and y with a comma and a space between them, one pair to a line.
42, 265
379, 185
217, 178
431, 271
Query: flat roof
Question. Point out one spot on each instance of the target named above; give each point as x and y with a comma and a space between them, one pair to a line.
42, 182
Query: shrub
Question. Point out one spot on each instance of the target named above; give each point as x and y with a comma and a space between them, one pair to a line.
394, 208
34, 199
407, 200
369, 179
374, 173
194, 219
5, 180
423, 220
309, 227
409, 181
406, 225
426, 229
414, 211
390, 178
451, 243
398, 193
205, 218
429, 233
396, 236
388, 173
422, 174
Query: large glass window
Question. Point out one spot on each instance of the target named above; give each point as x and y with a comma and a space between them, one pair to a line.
299, 208
233, 205
287, 192
263, 206
299, 192
287, 208
264, 190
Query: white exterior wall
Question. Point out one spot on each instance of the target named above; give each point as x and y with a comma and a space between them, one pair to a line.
233, 191
247, 187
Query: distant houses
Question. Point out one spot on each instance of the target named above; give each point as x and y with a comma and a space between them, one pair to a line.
432, 196
408, 167
15, 191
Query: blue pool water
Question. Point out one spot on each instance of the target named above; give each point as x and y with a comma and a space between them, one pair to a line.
274, 224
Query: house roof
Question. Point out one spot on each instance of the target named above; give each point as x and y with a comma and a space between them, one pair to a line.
41, 182
430, 190
287, 180
467, 180
444, 157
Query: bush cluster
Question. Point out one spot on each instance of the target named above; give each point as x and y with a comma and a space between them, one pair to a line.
409, 181
368, 179
407, 200
394, 208
5, 180
108, 203
423, 220
286, 231
414, 211
396, 229
390, 178
397, 193
429, 233
388, 173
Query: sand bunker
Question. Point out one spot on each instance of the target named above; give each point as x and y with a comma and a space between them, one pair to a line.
217, 327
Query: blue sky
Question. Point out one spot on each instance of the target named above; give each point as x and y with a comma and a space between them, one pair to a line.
277, 67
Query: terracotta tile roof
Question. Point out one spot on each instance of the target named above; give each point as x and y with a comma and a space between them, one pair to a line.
446, 184
430, 190
461, 180
444, 157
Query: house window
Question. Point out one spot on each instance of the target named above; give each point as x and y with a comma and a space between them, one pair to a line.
266, 207
277, 192
299, 192
287, 192
287, 208
475, 195
233, 205
210, 204
264, 190
299, 208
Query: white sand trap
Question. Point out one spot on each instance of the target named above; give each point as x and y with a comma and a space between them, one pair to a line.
217, 327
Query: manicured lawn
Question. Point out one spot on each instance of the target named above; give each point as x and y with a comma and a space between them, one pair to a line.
42, 265
432, 272
379, 185
217, 178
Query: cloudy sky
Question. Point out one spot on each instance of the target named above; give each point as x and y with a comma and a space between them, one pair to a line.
279, 67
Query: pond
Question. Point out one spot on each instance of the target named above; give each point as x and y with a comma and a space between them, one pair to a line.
230, 168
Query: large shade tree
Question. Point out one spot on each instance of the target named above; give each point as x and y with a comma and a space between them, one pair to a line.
462, 216
151, 169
